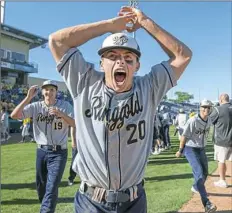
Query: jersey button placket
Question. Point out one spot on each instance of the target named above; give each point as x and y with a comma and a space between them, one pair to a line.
113, 162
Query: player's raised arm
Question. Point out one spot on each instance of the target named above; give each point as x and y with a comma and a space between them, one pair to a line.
180, 55
17, 112
61, 41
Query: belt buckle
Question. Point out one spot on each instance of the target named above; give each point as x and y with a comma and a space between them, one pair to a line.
54, 148
111, 196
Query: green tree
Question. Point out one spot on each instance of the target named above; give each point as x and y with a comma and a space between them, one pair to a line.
183, 97
173, 100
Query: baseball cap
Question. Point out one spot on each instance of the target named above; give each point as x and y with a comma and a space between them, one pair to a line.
120, 41
49, 83
206, 102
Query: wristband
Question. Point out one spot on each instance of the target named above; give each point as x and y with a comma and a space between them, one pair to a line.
181, 150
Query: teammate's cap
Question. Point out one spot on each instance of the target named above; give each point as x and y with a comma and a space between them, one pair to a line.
120, 41
49, 83
181, 110
206, 102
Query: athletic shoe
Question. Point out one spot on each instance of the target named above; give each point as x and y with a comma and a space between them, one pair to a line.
221, 183
70, 182
210, 208
156, 152
194, 190
8, 137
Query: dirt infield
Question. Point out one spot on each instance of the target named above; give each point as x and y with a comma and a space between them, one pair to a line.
221, 197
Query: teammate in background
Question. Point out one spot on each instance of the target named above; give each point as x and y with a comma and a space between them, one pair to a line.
192, 145
166, 122
51, 121
115, 109
173, 122
25, 130
180, 122
213, 132
156, 145
72, 174
222, 119
192, 113
4, 124
161, 131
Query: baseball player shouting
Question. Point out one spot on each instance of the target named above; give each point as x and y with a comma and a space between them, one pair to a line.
115, 109
51, 121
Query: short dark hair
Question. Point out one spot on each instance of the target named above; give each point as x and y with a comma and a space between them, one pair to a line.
226, 97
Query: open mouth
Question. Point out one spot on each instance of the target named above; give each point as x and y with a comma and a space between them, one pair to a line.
120, 76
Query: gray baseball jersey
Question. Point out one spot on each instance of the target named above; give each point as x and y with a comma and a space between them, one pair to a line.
49, 129
166, 118
114, 131
5, 120
196, 131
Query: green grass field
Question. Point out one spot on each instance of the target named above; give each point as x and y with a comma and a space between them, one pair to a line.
167, 181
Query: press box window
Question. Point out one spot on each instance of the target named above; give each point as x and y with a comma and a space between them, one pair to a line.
18, 56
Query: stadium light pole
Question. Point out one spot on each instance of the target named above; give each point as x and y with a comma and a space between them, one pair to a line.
2, 13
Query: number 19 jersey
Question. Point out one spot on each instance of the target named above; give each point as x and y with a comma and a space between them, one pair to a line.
49, 129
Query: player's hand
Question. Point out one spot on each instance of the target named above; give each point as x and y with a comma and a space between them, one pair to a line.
119, 23
137, 17
32, 92
178, 154
54, 111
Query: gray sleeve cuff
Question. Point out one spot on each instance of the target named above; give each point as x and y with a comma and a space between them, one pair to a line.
170, 73
66, 58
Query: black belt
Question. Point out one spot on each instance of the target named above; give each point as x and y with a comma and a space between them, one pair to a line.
50, 147
111, 196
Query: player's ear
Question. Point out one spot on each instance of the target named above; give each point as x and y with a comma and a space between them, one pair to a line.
101, 65
137, 66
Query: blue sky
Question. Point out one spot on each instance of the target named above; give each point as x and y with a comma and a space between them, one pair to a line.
204, 26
